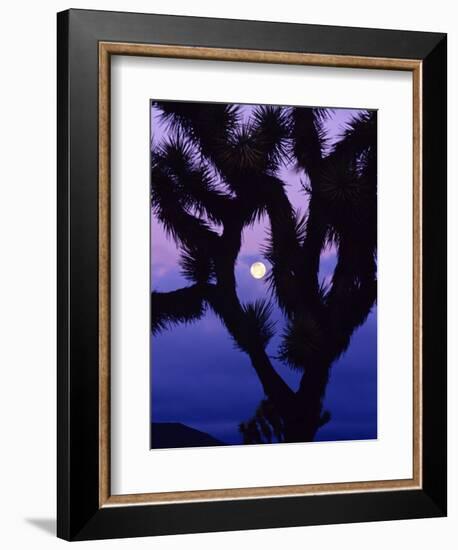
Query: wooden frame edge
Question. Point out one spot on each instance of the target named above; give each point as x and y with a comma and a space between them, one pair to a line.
257, 56
260, 492
104, 276
417, 354
106, 49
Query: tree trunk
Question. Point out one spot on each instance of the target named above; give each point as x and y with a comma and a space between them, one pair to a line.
307, 415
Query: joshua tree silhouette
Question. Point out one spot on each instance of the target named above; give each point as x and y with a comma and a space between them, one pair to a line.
218, 173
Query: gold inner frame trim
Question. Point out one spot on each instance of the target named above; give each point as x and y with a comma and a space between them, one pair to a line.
106, 50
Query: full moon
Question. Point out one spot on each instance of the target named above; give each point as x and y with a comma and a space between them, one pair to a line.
258, 270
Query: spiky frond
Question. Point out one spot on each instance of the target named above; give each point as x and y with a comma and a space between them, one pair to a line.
264, 427
272, 127
312, 247
353, 289
348, 196
196, 184
167, 204
304, 342
283, 248
267, 410
180, 306
250, 432
308, 139
323, 113
257, 323
252, 213
207, 124
196, 266
355, 271
358, 135
244, 152
347, 187
284, 259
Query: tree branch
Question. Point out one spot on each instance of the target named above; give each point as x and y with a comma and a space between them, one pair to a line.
180, 306
166, 202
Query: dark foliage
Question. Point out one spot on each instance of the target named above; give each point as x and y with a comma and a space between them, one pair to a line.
180, 306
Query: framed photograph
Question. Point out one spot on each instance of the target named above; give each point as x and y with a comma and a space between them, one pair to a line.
251, 275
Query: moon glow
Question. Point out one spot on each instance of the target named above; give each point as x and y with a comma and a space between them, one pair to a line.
258, 270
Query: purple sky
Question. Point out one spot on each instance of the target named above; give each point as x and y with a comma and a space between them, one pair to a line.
200, 379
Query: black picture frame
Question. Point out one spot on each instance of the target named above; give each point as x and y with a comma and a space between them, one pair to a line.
80, 516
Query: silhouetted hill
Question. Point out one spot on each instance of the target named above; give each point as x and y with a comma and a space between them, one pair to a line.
170, 435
